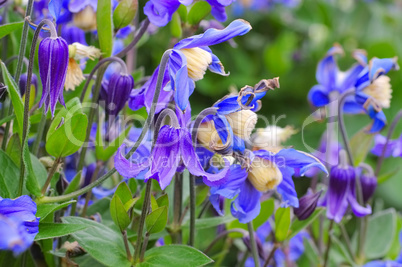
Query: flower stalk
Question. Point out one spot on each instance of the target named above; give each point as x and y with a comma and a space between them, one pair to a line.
253, 242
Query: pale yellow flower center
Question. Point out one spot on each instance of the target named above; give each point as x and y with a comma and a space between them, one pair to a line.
381, 91
74, 75
85, 19
264, 175
198, 61
242, 122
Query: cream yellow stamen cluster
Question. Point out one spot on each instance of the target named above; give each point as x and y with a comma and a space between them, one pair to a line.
242, 123
74, 75
380, 90
264, 175
85, 19
271, 138
198, 61
80, 51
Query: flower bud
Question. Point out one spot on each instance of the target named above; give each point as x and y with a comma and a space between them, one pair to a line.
307, 205
242, 123
85, 19
369, 184
198, 61
53, 63
116, 92
264, 175
23, 83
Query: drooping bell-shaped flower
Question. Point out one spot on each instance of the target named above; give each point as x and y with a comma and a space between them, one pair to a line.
307, 205
53, 63
369, 185
18, 224
116, 92
341, 192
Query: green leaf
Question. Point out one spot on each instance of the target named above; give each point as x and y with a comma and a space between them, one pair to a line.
267, 209
282, 223
101, 242
197, 12
36, 173
156, 220
381, 228
129, 204
297, 225
69, 137
45, 209
175, 26
202, 194
14, 149
51, 230
311, 252
13, 92
360, 145
105, 27
9, 175
123, 192
74, 184
174, 255
132, 184
124, 13
119, 214
163, 201
9, 28
154, 204
183, 13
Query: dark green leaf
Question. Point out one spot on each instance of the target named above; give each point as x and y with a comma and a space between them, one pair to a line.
9, 175
45, 209
297, 225
282, 223
105, 27
123, 192
36, 174
173, 256
51, 230
74, 184
14, 149
381, 229
124, 13
360, 145
163, 201
175, 26
101, 242
119, 214
69, 137
13, 92
197, 12
9, 28
156, 220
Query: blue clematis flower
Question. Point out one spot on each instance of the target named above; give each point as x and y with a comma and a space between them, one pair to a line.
18, 224
189, 60
173, 151
341, 193
73, 34
394, 146
267, 171
218, 8
373, 90
84, 13
53, 62
331, 79
160, 12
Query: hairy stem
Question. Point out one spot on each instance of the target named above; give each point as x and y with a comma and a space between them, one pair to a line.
138, 35
50, 175
192, 210
253, 242
129, 257
177, 203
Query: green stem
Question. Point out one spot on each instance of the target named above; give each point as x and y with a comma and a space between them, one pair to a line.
328, 244
89, 194
41, 129
271, 254
142, 220
150, 118
129, 257
23, 43
50, 175
26, 104
253, 242
192, 210
347, 240
144, 246
177, 203
137, 37
223, 234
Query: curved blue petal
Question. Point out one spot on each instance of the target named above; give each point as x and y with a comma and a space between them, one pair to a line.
378, 117
327, 69
247, 205
287, 189
318, 96
127, 168
214, 36
380, 66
